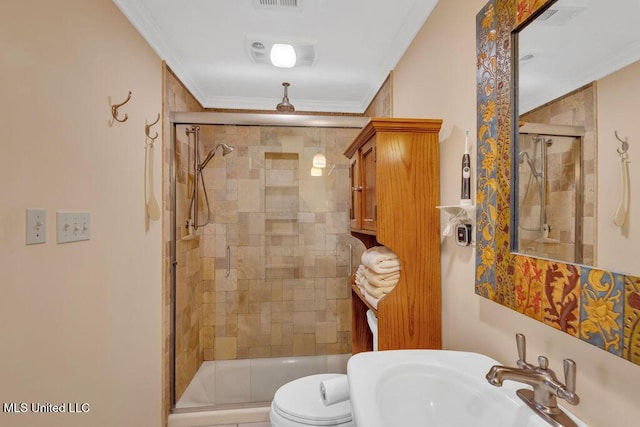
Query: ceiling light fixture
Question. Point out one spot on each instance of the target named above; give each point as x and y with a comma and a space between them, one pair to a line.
285, 105
283, 55
319, 161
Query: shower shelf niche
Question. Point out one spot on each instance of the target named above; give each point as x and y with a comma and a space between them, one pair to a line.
282, 211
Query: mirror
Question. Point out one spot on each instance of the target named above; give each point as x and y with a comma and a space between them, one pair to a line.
596, 305
578, 64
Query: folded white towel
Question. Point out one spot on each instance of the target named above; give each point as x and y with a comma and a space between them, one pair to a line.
381, 280
377, 292
360, 277
372, 300
381, 259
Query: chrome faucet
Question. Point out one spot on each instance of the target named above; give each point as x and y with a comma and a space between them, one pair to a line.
545, 383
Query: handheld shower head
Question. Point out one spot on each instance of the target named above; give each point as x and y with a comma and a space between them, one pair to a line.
530, 162
521, 156
226, 149
208, 158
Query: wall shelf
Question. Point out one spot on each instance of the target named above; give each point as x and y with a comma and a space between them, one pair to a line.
470, 210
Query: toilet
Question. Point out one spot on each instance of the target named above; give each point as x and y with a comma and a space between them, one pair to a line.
298, 404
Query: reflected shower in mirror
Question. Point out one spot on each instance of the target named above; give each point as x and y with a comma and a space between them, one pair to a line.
549, 205
575, 87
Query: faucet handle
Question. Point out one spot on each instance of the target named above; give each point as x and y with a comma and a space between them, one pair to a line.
543, 362
570, 375
521, 343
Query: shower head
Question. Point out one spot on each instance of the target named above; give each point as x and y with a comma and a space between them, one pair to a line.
285, 105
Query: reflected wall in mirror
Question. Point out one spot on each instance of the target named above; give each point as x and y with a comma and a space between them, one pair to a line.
596, 305
564, 66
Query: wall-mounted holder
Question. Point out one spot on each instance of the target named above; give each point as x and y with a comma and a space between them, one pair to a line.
619, 217
460, 215
153, 207
114, 111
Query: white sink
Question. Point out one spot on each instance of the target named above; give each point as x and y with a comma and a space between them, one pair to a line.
434, 388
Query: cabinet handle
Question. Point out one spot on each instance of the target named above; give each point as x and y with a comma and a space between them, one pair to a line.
228, 262
356, 188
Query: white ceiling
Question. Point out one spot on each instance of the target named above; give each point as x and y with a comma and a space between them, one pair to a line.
582, 42
206, 43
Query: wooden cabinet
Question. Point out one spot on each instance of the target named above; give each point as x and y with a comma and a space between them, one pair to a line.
395, 190
363, 209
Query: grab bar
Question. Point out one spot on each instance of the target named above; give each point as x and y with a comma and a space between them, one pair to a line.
228, 262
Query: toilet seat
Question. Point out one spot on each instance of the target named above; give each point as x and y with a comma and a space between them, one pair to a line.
299, 401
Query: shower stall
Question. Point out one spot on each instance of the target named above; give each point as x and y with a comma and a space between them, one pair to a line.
549, 193
261, 253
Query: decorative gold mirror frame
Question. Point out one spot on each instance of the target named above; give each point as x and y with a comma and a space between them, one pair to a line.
597, 306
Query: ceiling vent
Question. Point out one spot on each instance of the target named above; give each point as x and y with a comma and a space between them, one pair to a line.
278, 4
544, 16
260, 48
558, 15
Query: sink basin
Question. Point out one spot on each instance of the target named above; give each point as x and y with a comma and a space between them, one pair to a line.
435, 388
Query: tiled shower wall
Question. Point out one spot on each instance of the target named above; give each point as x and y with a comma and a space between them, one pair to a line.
189, 284
274, 263
188, 356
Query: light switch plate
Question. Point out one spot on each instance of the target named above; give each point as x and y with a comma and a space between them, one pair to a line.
73, 226
36, 226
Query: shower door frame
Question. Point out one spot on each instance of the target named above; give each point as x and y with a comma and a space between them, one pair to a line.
214, 118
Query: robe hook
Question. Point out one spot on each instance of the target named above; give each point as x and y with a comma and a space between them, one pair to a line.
625, 144
114, 110
147, 127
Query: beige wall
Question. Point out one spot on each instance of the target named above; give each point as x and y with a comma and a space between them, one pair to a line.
81, 322
432, 82
618, 110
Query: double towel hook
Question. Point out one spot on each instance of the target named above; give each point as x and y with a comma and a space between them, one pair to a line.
147, 127
114, 110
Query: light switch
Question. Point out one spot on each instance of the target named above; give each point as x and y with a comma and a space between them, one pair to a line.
73, 226
36, 226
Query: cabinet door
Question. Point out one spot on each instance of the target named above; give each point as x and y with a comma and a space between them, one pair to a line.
368, 182
356, 189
